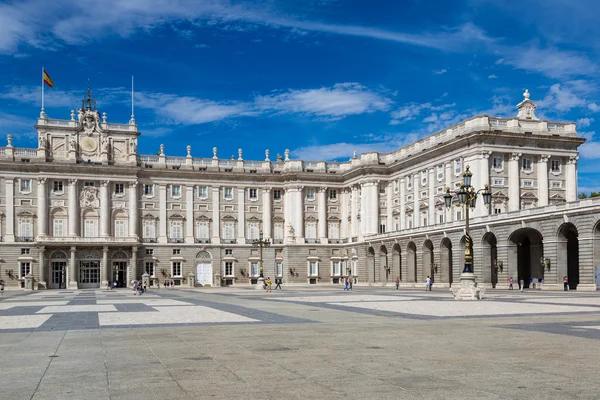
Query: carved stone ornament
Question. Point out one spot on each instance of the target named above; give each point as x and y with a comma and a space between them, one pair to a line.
89, 198
526, 108
90, 123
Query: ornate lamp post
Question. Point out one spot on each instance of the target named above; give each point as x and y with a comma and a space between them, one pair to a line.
467, 195
261, 242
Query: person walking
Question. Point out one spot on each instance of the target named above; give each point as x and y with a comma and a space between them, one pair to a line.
2, 287
346, 284
397, 283
521, 284
269, 284
510, 283
566, 283
428, 283
278, 283
350, 281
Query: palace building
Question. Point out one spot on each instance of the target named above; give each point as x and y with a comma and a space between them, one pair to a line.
84, 208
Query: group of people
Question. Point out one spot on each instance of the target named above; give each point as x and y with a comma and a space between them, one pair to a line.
268, 284
139, 288
348, 284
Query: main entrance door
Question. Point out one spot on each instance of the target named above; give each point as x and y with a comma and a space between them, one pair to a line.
89, 274
59, 275
204, 274
119, 270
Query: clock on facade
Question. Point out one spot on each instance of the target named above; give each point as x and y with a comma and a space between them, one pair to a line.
89, 144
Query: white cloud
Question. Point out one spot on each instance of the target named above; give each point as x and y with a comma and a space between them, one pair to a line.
18, 126
564, 97
551, 62
440, 72
411, 111
590, 149
594, 107
336, 151
492, 76
499, 61
201, 46
584, 122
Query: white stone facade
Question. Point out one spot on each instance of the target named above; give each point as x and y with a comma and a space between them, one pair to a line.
85, 207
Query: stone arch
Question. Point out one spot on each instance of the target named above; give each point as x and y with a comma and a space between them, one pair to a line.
370, 264
428, 259
567, 254
525, 249
397, 261
411, 262
383, 264
58, 255
489, 257
446, 260
119, 255
203, 254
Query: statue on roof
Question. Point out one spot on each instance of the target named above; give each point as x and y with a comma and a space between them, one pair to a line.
526, 108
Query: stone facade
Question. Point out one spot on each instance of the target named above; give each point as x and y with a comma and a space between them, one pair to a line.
85, 208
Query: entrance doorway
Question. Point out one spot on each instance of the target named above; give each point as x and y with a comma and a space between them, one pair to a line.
59, 275
119, 273
204, 274
525, 252
89, 274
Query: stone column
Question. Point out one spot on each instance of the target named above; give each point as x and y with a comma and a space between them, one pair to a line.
344, 231
105, 270
322, 213
431, 196
42, 207
163, 221
298, 211
514, 183
287, 214
374, 207
132, 268
484, 172
542, 180
448, 180
364, 211
571, 178
216, 219
354, 212
403, 204
133, 210
389, 223
104, 210
42, 266
267, 218
189, 214
416, 204
10, 209
72, 270
73, 209
241, 236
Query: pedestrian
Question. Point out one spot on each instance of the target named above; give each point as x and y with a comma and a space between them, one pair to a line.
269, 284
397, 283
566, 283
428, 283
278, 282
346, 284
166, 284
144, 287
510, 283
350, 283
2, 287
157, 285
521, 284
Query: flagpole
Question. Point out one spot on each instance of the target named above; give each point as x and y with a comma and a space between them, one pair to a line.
132, 120
42, 113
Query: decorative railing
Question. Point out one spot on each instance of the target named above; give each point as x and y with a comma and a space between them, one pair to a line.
176, 240
2, 151
202, 161
24, 239
26, 152
61, 122
175, 160
556, 127
500, 123
277, 241
148, 159
229, 241
311, 241
118, 127
149, 240
205, 241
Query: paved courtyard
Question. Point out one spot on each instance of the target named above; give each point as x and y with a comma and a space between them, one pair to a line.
319, 343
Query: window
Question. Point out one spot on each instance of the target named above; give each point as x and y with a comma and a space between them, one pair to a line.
119, 188
310, 194
313, 268
253, 230
120, 228
203, 192
526, 164
424, 222
148, 189
58, 227
149, 229
176, 268
227, 193
176, 252
409, 183
229, 230
441, 218
228, 252
458, 215
336, 268
26, 228
175, 190
556, 184
278, 231
334, 230
396, 186
228, 268
527, 183
24, 269
497, 210
440, 190
498, 182
202, 230
332, 194
252, 195
457, 166
176, 231
409, 222
90, 228
149, 252
254, 269
279, 268
497, 162
149, 268
555, 165
89, 184
276, 194
423, 195
24, 251
382, 187
58, 187
311, 230
25, 185
440, 172
381, 228
423, 180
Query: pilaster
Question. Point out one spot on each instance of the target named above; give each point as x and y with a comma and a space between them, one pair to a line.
189, 214
514, 182
571, 178
163, 221
542, 180
133, 209
104, 209
403, 204
267, 217
216, 218
322, 212
73, 209
10, 209
431, 196
42, 207
241, 235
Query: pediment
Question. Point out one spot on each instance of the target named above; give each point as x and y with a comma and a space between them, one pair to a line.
528, 195
202, 217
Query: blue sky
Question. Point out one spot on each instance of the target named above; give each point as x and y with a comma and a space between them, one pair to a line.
323, 78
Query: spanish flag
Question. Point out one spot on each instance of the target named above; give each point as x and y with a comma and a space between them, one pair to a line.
47, 79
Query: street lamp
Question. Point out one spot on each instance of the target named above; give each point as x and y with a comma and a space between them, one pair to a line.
467, 196
261, 242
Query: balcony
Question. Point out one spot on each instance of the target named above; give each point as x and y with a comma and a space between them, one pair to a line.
176, 240
311, 241
229, 241
204, 241
335, 241
149, 240
277, 241
24, 239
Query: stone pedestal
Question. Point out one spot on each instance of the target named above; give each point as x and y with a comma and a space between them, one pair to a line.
217, 280
191, 280
29, 282
260, 284
72, 285
42, 285
146, 280
468, 289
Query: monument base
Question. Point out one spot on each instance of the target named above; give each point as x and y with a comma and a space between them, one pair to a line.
73, 285
260, 283
468, 289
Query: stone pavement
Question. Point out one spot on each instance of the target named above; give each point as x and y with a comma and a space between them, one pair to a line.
298, 343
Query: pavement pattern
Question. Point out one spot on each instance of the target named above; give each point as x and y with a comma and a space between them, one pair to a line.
298, 343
